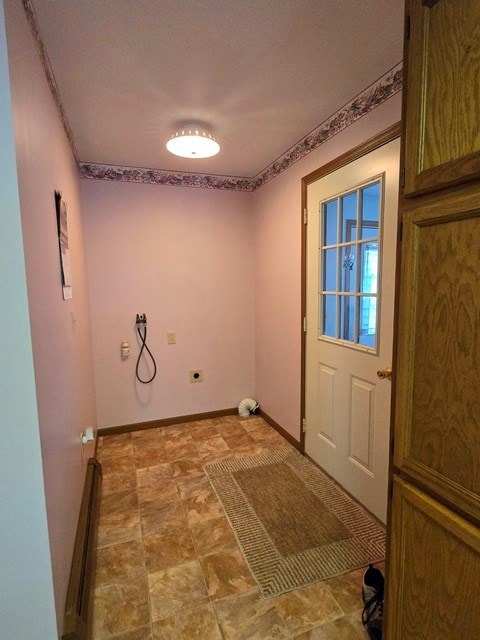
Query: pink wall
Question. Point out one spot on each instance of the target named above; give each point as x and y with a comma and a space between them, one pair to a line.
62, 357
24, 542
184, 257
278, 227
192, 260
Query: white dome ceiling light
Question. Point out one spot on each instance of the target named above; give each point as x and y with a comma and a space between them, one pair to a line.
193, 141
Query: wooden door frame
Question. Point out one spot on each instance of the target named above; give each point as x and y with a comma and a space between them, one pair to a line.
357, 152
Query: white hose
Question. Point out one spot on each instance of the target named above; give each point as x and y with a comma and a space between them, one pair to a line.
246, 407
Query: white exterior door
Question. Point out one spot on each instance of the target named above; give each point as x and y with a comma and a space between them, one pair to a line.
351, 253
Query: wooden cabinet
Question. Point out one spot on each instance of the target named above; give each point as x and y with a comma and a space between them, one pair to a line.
438, 361
436, 560
442, 139
433, 564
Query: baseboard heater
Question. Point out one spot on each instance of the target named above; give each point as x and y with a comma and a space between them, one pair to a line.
77, 608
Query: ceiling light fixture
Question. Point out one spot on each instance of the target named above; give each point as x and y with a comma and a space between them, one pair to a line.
193, 141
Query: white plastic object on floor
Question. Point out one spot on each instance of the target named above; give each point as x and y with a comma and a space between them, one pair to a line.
247, 406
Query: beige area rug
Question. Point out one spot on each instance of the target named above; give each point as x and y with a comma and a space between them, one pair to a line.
292, 522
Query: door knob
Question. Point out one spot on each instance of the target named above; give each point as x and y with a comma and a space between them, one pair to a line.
385, 374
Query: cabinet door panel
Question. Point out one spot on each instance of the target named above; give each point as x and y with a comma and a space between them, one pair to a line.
437, 424
443, 101
433, 589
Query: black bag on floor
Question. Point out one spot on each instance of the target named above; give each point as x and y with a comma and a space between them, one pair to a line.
372, 593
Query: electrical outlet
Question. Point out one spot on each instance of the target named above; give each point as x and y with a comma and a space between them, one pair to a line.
196, 375
141, 318
171, 338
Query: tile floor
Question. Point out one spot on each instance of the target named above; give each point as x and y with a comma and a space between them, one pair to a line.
168, 565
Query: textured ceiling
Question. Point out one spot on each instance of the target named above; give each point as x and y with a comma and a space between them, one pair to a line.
260, 73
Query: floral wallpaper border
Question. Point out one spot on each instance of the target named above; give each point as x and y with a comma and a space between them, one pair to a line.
375, 95
42, 52
158, 176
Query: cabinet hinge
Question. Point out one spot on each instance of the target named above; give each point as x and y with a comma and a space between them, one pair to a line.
402, 177
304, 425
407, 27
305, 216
305, 324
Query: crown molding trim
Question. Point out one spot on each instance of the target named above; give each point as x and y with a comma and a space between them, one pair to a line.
47, 67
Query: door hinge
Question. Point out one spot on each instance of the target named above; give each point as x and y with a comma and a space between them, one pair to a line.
402, 177
304, 425
407, 28
305, 216
400, 232
390, 490
305, 324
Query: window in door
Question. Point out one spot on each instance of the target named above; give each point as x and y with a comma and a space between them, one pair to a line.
349, 266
